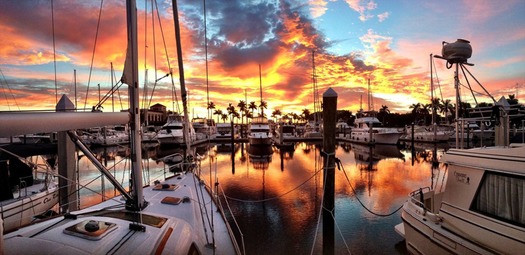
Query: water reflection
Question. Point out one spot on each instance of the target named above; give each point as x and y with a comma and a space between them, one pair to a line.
275, 192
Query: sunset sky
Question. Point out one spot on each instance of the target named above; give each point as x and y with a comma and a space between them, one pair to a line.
388, 42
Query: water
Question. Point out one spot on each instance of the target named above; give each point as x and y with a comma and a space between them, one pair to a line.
275, 194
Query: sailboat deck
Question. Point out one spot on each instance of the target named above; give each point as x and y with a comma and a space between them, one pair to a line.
172, 227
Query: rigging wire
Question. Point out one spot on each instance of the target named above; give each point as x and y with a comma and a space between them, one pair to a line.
174, 94
10, 92
93, 53
54, 51
195, 180
145, 93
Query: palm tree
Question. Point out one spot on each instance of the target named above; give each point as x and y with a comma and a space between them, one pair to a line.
217, 112
276, 113
295, 117
242, 108
249, 115
286, 117
445, 108
263, 106
383, 112
425, 111
306, 114
512, 100
252, 106
415, 108
211, 106
224, 117
232, 112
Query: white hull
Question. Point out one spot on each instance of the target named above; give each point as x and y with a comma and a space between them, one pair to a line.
428, 136
260, 140
21, 211
313, 134
170, 140
378, 136
484, 186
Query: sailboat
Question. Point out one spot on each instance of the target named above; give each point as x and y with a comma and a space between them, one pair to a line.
26, 193
259, 132
368, 129
176, 215
432, 133
313, 128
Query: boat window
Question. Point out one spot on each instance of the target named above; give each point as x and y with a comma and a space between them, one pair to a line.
259, 130
501, 196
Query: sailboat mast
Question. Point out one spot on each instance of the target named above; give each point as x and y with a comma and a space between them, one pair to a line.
136, 154
432, 92
369, 96
206, 61
75, 82
314, 86
260, 90
183, 92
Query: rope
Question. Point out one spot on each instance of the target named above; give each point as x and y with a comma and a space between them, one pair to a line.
318, 217
276, 197
339, 229
338, 162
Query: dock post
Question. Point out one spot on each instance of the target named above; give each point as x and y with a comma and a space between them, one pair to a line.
329, 120
232, 143
66, 163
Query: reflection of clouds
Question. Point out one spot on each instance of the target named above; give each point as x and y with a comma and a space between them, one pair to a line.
393, 179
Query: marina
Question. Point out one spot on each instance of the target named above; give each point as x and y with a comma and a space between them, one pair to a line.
194, 163
275, 198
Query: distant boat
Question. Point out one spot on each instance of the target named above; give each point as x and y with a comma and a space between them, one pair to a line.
259, 132
172, 133
312, 129
204, 128
370, 130
479, 211
109, 136
426, 134
34, 138
224, 131
284, 134
149, 133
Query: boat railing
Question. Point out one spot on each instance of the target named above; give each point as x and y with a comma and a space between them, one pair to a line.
22, 186
193, 164
230, 230
421, 201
